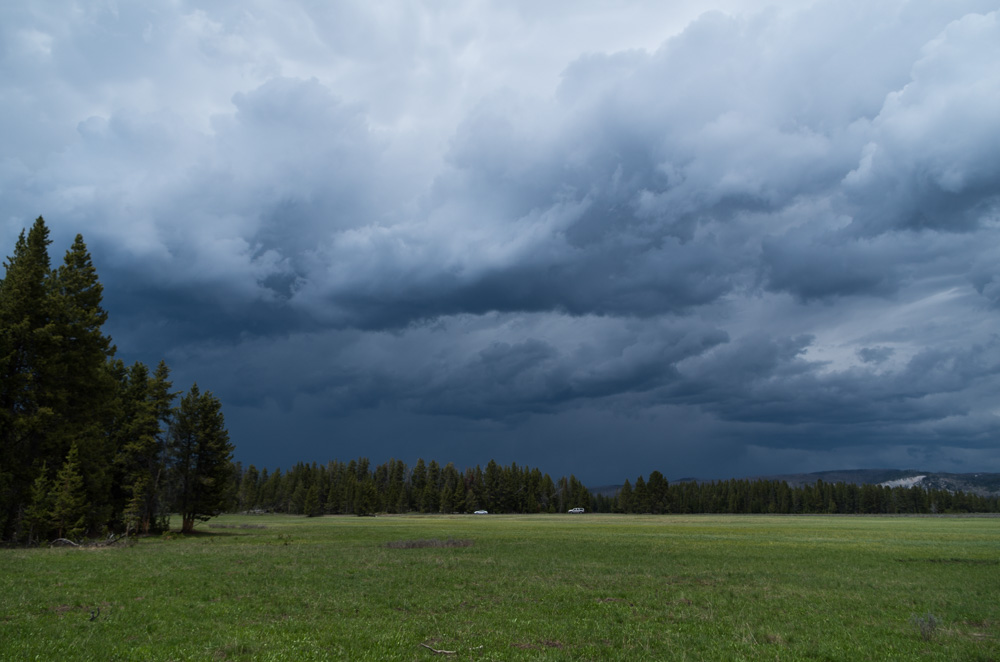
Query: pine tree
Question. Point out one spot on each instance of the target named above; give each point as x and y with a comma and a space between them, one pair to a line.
418, 481
79, 387
157, 506
366, 499
200, 458
38, 514
657, 487
625, 498
26, 344
640, 497
143, 401
493, 484
471, 504
311, 504
69, 498
133, 514
430, 501
335, 496
549, 499
297, 504
396, 497
457, 498
249, 486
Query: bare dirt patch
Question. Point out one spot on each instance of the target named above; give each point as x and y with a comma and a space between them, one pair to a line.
433, 542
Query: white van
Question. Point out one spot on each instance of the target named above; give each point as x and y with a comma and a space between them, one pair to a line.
576, 510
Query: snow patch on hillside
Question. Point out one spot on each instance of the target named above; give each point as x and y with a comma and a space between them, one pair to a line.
904, 482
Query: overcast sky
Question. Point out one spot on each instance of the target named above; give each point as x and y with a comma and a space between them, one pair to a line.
596, 237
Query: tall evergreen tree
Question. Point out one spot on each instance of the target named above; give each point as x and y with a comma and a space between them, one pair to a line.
161, 398
143, 411
26, 345
549, 500
79, 387
624, 498
657, 488
493, 484
418, 481
248, 490
640, 496
200, 458
311, 505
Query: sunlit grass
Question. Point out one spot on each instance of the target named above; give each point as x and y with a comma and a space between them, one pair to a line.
524, 587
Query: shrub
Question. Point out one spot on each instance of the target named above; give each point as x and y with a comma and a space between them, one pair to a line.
926, 625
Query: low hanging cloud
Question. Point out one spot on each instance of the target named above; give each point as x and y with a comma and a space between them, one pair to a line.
765, 227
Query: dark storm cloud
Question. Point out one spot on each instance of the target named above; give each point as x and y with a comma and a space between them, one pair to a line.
746, 241
813, 266
875, 354
761, 380
612, 199
490, 367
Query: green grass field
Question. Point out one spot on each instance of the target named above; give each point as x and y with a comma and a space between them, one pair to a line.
516, 588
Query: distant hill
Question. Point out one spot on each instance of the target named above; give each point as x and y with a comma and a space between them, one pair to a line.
983, 484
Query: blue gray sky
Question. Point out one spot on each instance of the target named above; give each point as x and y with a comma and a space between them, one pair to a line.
710, 238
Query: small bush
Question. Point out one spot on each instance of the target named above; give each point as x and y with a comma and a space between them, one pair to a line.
926, 625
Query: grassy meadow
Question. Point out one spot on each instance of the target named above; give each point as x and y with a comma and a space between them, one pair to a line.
573, 587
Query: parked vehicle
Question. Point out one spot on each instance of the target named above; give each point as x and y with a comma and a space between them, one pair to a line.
576, 510
481, 512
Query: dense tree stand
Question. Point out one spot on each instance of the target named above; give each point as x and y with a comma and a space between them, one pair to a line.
86, 443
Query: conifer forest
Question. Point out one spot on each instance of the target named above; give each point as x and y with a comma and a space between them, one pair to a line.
90, 446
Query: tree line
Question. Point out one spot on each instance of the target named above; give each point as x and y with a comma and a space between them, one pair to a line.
88, 445
359, 488
656, 495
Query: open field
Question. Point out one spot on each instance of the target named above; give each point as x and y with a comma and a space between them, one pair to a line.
517, 587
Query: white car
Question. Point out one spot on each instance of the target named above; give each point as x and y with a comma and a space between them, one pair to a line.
481, 512
576, 510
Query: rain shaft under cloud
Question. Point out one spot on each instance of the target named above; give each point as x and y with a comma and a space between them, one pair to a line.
603, 238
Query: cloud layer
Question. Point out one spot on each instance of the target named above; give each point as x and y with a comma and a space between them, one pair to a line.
608, 238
